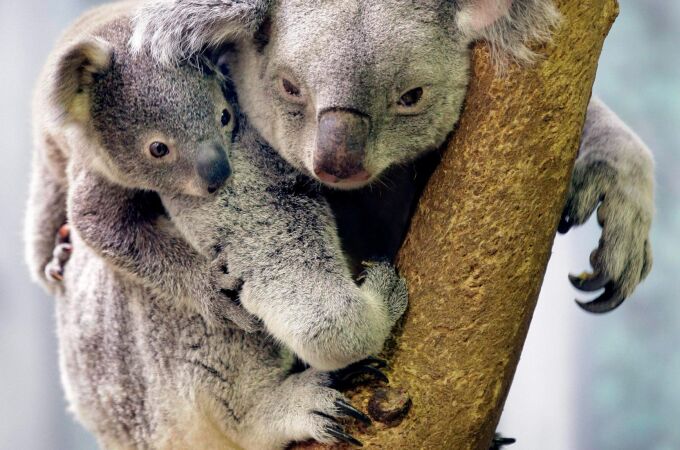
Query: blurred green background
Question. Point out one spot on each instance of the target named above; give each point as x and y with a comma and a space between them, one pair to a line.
584, 382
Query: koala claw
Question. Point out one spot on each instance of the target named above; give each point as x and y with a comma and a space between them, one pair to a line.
608, 301
344, 377
499, 442
350, 411
587, 282
338, 433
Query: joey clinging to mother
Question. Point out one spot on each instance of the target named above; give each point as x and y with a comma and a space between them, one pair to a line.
345, 90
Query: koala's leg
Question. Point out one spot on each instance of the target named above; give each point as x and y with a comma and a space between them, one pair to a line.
46, 211
128, 229
614, 174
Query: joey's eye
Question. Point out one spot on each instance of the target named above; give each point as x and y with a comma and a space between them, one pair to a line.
226, 117
159, 150
411, 98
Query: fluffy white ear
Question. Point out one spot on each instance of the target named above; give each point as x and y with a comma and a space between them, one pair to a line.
508, 25
74, 73
173, 30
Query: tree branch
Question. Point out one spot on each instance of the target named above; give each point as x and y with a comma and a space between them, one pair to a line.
481, 238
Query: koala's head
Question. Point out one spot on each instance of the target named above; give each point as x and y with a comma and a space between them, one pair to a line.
344, 89
144, 125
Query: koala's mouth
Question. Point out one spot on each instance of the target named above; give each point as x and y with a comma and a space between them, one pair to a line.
355, 181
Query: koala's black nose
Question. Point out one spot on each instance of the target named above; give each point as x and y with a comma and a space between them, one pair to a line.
213, 165
341, 146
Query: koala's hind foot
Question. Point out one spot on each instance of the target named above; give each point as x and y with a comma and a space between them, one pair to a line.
304, 407
54, 270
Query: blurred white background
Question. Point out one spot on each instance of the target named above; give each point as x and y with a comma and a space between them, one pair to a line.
583, 383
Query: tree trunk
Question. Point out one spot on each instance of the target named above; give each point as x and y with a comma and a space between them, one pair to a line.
481, 238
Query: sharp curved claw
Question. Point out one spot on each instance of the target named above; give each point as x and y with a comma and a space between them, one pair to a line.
565, 225
589, 283
607, 302
339, 434
500, 442
377, 362
353, 372
351, 411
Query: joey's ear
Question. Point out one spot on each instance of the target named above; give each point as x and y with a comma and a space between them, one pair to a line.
74, 74
172, 30
508, 25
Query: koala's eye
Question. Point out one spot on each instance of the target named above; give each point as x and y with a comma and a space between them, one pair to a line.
411, 98
290, 88
159, 150
226, 117
291, 91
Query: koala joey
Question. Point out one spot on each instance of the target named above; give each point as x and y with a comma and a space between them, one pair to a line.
110, 129
352, 91
141, 369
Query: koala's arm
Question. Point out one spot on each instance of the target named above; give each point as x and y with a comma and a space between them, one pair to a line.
297, 281
129, 230
46, 210
614, 174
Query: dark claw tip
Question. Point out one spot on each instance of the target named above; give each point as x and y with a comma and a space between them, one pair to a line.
565, 225
377, 362
342, 436
351, 411
589, 283
607, 302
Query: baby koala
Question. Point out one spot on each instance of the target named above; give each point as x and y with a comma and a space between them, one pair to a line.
111, 130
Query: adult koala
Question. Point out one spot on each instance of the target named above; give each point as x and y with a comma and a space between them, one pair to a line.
349, 90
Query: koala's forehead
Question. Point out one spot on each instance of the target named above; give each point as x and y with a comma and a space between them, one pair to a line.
385, 35
137, 94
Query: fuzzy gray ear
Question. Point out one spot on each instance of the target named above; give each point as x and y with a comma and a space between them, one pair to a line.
508, 25
173, 30
75, 71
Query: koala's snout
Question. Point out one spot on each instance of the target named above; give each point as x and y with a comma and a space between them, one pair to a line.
341, 147
213, 165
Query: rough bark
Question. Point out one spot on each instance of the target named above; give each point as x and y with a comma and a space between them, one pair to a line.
481, 239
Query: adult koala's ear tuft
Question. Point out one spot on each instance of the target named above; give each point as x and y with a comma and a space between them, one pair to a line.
75, 72
508, 25
174, 30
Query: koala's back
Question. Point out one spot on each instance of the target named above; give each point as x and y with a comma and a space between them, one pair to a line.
140, 371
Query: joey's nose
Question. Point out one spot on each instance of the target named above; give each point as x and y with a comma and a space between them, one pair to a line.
212, 165
341, 146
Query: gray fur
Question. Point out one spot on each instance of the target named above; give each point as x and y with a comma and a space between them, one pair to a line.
361, 55
142, 371
144, 364
614, 174
274, 230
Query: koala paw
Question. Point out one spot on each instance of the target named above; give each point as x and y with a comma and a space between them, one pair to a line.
54, 270
306, 409
226, 304
382, 278
624, 211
